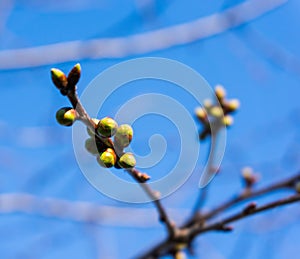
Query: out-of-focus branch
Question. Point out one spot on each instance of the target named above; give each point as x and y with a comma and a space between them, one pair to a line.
140, 43
198, 225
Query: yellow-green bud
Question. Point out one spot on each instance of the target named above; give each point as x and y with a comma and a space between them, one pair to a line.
201, 114
220, 92
91, 146
228, 120
89, 131
207, 103
107, 127
232, 105
216, 111
59, 79
123, 135
74, 75
107, 158
127, 160
66, 116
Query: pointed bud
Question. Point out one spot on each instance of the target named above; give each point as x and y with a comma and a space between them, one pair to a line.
123, 136
216, 111
180, 255
127, 160
74, 75
92, 132
232, 105
107, 158
59, 79
249, 177
220, 92
107, 127
228, 120
91, 147
201, 114
66, 116
207, 104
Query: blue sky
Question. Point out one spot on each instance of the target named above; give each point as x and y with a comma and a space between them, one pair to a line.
257, 61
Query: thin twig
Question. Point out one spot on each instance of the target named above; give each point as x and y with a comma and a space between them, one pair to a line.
136, 174
245, 213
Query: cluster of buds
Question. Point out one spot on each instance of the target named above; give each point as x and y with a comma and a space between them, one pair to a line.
106, 132
66, 83
219, 113
249, 177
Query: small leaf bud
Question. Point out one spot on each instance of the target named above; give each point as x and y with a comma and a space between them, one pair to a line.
107, 158
59, 79
107, 127
66, 116
228, 120
201, 114
123, 135
232, 105
220, 92
127, 160
216, 111
74, 75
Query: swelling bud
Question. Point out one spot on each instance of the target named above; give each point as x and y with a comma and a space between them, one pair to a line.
107, 158
107, 127
74, 75
66, 116
127, 160
123, 136
59, 79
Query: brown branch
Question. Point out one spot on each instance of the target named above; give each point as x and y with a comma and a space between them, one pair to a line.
196, 226
248, 211
138, 176
243, 196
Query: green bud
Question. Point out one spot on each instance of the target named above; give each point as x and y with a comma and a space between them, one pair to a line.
228, 120
107, 127
220, 92
201, 114
66, 116
74, 75
127, 160
216, 111
91, 146
89, 131
59, 79
107, 158
232, 105
123, 136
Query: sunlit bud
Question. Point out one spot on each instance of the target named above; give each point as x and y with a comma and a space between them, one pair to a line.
107, 158
127, 160
107, 127
123, 135
59, 79
201, 114
207, 104
249, 177
228, 120
220, 92
91, 147
74, 75
216, 111
66, 116
180, 255
232, 105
